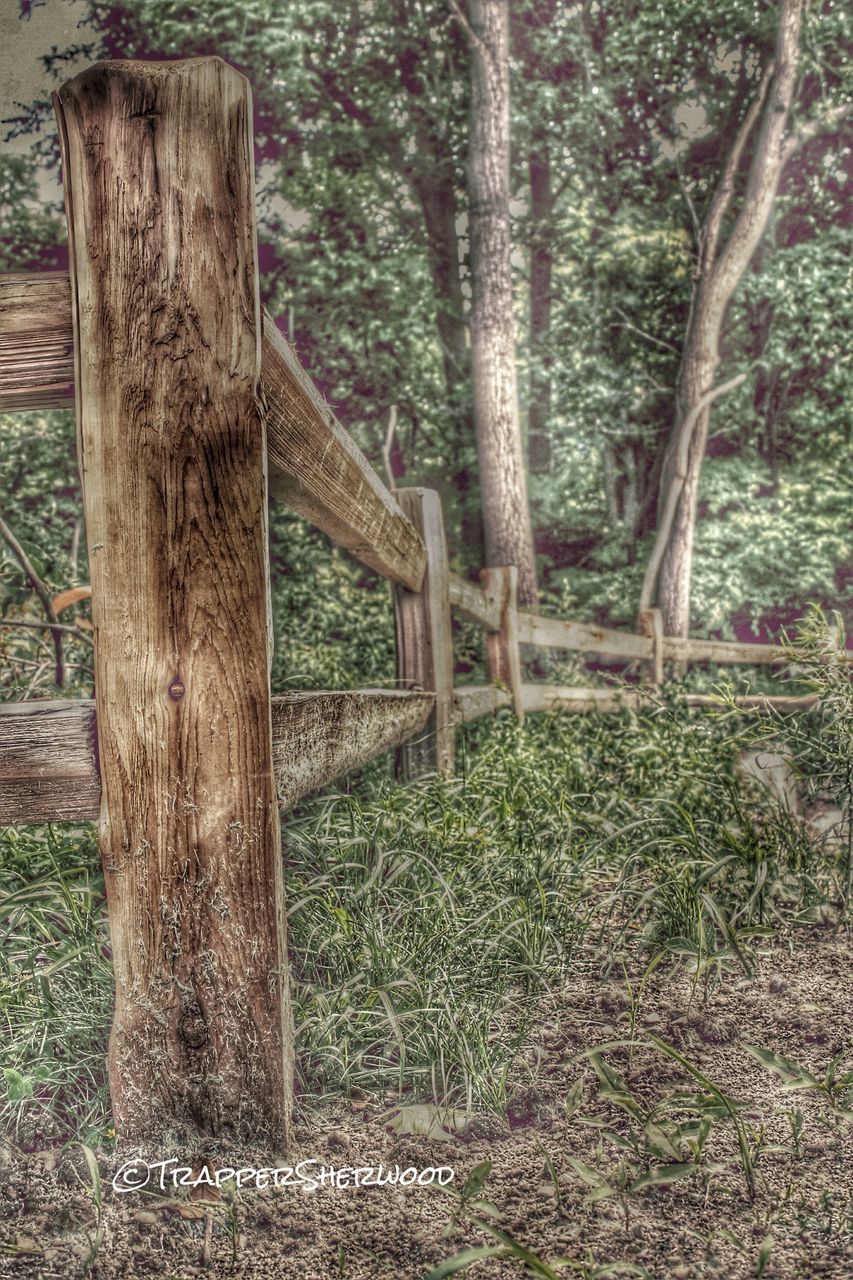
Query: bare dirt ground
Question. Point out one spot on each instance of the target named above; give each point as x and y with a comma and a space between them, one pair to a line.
798, 1226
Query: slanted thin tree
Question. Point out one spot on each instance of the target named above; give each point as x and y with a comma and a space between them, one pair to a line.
722, 260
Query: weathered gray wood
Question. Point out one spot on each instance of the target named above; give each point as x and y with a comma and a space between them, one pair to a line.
36, 342
551, 697
555, 697
581, 637
425, 641
650, 623
314, 465
48, 756
317, 737
756, 702
48, 762
502, 651
319, 471
159, 185
723, 651
473, 602
471, 701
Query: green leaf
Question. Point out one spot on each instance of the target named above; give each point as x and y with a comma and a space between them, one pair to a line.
764, 1253
784, 1067
663, 1175
659, 1140
18, 1086
462, 1260
573, 1098
590, 1176
476, 1179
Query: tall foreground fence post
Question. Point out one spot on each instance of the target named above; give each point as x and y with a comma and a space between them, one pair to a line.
159, 185
425, 640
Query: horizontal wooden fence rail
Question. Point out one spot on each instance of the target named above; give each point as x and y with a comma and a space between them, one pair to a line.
474, 603
314, 465
48, 757
585, 637
507, 628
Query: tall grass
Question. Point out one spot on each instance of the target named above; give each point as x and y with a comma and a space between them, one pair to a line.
424, 920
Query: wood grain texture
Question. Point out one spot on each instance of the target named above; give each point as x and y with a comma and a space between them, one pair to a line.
502, 651
315, 466
474, 603
48, 755
159, 185
471, 701
425, 641
724, 651
581, 637
36, 342
319, 736
650, 625
49, 762
317, 469
554, 697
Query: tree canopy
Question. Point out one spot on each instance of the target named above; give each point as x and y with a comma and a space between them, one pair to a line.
622, 118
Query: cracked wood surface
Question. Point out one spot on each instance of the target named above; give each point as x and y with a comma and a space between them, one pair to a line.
49, 764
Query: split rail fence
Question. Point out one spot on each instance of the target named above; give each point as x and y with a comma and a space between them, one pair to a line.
191, 407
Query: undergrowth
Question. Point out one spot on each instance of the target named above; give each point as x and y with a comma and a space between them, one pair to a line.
424, 920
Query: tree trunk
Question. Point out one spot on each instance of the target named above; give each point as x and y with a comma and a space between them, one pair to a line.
720, 272
436, 193
541, 266
506, 517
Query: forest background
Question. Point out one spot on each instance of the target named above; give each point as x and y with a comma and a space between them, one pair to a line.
623, 118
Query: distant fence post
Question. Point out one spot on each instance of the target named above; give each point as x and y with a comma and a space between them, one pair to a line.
650, 623
502, 646
425, 642
159, 186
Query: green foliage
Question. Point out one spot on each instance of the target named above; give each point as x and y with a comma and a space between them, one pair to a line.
361, 122
424, 919
333, 621
29, 232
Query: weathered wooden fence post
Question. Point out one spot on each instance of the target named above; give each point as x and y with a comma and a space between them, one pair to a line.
502, 649
159, 186
650, 624
425, 641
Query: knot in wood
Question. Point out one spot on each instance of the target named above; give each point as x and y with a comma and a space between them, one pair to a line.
177, 689
192, 1027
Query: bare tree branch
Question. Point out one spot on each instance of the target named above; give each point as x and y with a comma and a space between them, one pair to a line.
473, 38
721, 200
650, 337
685, 435
43, 594
388, 445
820, 124
44, 626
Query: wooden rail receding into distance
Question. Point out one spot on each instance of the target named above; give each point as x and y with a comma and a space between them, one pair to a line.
315, 467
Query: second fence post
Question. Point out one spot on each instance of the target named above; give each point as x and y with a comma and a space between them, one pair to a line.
650, 624
502, 646
425, 641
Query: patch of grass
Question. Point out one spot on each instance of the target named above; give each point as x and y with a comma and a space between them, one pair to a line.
425, 920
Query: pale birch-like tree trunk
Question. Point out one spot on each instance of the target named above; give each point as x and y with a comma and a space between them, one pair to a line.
722, 263
506, 516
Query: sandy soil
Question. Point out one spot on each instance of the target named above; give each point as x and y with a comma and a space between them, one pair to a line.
798, 1004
